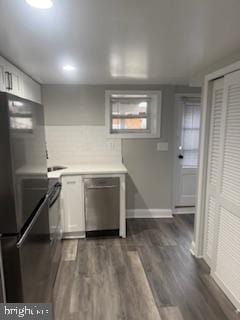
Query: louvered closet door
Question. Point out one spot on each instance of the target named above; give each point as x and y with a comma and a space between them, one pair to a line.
226, 266
213, 166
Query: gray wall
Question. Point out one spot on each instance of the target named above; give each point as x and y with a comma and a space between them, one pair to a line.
149, 184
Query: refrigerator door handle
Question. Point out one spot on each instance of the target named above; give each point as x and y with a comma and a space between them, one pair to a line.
2, 276
29, 228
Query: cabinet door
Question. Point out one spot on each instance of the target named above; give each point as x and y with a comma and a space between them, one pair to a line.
73, 215
227, 240
222, 240
3, 63
31, 90
16, 80
36, 92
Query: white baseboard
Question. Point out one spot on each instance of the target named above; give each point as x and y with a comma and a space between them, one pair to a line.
184, 210
149, 213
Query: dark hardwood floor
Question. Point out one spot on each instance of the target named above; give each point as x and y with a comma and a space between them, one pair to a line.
151, 275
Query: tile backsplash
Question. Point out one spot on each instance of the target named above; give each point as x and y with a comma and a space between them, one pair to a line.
76, 144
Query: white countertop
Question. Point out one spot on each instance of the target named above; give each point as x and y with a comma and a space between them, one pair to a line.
90, 168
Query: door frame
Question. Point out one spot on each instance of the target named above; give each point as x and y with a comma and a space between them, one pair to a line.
178, 97
200, 216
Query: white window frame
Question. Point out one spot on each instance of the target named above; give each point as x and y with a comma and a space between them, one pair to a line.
154, 115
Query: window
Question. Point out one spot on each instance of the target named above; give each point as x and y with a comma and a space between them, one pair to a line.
133, 114
190, 131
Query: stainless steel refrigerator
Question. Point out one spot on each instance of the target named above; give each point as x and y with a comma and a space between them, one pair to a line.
24, 220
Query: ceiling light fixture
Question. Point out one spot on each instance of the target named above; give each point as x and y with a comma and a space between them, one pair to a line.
40, 4
69, 67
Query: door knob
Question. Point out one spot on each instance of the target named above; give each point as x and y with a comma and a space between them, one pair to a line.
180, 156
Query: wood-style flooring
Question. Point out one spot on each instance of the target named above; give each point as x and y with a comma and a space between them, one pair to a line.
151, 275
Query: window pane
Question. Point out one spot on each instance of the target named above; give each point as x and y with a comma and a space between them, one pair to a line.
196, 117
129, 124
190, 139
129, 107
190, 131
190, 158
191, 116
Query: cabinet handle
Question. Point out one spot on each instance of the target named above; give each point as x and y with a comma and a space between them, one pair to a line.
11, 82
9, 86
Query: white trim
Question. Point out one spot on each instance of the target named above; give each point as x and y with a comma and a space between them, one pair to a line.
193, 251
149, 213
155, 118
203, 151
184, 210
223, 71
227, 292
122, 231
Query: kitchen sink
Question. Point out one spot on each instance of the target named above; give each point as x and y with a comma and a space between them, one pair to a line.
55, 168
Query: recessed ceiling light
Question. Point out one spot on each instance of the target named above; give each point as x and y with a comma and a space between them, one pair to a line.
69, 67
41, 4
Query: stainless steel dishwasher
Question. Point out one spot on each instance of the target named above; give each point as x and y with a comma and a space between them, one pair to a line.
102, 206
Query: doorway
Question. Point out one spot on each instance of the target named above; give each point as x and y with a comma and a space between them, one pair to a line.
187, 127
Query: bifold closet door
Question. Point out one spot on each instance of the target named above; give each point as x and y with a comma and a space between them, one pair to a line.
225, 264
213, 166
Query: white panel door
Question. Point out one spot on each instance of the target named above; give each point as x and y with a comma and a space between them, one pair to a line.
213, 165
226, 243
187, 151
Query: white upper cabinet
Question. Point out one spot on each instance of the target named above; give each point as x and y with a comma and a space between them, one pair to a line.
3, 63
16, 82
31, 90
13, 80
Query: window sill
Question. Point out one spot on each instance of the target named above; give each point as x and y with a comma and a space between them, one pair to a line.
133, 135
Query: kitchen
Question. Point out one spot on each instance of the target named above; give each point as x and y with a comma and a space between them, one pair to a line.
103, 160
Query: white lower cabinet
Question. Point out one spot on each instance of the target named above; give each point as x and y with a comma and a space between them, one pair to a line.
73, 206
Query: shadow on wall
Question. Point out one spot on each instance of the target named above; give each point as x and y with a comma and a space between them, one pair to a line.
133, 196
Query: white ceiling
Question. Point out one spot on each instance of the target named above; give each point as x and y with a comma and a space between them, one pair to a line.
119, 41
